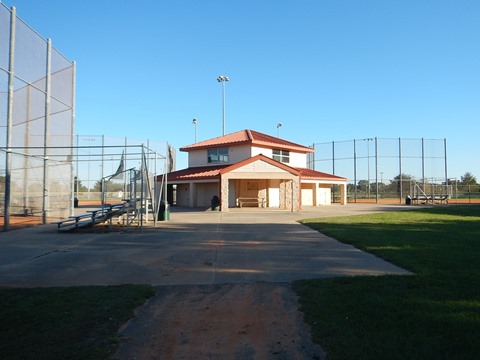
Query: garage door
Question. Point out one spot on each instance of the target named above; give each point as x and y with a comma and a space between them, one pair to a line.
324, 196
307, 197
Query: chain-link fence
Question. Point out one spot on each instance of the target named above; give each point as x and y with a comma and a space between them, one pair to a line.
380, 169
36, 123
97, 157
111, 171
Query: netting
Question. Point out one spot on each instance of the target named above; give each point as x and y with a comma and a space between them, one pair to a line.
36, 123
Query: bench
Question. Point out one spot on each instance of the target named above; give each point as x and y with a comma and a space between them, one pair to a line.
260, 202
91, 217
74, 221
421, 199
441, 199
425, 199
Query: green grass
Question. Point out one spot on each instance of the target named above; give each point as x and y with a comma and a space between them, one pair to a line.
434, 314
65, 323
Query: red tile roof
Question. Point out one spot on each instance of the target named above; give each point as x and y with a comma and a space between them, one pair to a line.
212, 172
248, 137
318, 175
195, 173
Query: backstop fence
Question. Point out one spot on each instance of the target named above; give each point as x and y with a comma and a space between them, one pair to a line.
37, 92
390, 168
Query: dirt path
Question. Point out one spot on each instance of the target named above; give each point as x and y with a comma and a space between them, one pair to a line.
232, 321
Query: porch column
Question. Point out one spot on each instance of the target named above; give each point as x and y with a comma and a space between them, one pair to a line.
343, 194
192, 201
296, 189
224, 194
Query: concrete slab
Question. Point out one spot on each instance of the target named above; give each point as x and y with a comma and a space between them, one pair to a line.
195, 247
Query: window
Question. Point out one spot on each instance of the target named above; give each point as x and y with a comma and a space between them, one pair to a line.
281, 155
218, 155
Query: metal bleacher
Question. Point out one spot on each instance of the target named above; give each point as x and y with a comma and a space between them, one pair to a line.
93, 217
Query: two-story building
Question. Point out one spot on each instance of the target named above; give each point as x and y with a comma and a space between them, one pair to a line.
251, 169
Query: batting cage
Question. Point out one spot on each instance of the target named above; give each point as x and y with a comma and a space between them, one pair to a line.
37, 91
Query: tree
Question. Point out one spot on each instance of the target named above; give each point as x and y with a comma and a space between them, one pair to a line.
403, 177
394, 186
109, 186
468, 179
363, 184
78, 185
98, 186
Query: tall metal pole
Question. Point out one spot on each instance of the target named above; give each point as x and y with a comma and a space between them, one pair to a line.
368, 163
376, 170
368, 166
400, 167
333, 168
72, 139
423, 163
194, 122
445, 154
8, 155
355, 170
223, 107
333, 157
222, 79
46, 133
313, 158
77, 175
26, 152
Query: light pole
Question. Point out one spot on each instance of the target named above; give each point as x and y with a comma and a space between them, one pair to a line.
279, 125
222, 79
194, 122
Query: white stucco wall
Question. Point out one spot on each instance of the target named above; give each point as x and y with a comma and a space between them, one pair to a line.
239, 153
242, 152
197, 158
296, 159
235, 154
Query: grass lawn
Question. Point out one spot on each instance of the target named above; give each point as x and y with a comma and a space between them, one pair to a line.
65, 323
434, 314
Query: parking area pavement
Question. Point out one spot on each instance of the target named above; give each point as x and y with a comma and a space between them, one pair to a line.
195, 247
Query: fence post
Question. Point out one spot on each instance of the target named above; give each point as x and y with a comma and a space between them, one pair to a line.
46, 133
354, 170
376, 169
8, 155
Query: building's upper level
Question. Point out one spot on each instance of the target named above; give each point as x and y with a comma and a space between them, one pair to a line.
244, 144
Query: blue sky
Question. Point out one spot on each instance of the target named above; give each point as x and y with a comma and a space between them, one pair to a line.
327, 70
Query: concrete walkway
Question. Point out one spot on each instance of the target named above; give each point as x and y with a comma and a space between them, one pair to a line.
194, 247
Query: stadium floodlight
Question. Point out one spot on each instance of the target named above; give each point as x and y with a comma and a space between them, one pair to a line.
222, 79
194, 122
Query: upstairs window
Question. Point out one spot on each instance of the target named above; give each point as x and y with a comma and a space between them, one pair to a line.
281, 155
218, 155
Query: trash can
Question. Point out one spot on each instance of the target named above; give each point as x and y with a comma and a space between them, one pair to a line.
215, 203
408, 200
75, 202
164, 213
